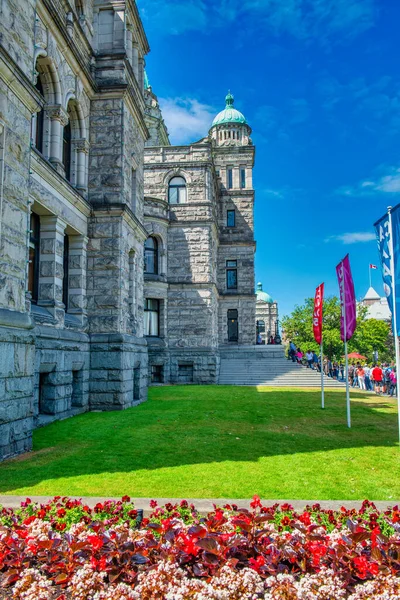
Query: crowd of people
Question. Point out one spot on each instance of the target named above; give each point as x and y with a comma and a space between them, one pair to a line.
379, 378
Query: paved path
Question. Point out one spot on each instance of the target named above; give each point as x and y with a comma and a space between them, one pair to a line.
202, 505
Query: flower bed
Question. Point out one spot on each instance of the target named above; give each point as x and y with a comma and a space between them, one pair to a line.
66, 551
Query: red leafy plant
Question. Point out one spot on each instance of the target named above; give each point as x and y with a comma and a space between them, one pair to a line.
64, 549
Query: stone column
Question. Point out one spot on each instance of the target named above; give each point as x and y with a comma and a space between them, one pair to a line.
82, 150
135, 59
51, 266
141, 74
58, 120
77, 276
129, 42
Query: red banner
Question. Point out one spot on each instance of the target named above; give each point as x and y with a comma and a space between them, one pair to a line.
318, 313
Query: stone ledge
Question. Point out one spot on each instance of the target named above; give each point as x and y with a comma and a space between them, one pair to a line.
13, 318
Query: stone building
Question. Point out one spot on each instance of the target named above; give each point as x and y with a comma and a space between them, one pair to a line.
377, 306
90, 191
199, 273
266, 315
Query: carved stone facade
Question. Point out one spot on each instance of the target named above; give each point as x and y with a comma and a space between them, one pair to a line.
86, 174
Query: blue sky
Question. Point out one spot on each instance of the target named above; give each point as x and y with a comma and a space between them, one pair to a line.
319, 83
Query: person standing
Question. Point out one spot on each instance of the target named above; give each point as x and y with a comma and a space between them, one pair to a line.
393, 382
292, 351
361, 377
341, 371
310, 359
377, 375
367, 378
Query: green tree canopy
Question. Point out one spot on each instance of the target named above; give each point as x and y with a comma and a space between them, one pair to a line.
370, 334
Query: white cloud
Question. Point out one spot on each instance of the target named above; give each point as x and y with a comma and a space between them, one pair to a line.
303, 19
187, 119
352, 238
387, 183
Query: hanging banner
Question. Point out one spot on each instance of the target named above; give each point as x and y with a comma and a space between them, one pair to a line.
389, 252
347, 299
318, 313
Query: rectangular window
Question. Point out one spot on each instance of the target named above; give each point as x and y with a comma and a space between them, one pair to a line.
242, 178
185, 373
230, 178
231, 218
157, 373
133, 190
34, 250
217, 172
65, 272
231, 274
151, 317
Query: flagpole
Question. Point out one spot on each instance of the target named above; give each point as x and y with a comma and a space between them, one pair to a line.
346, 359
396, 337
322, 374
370, 279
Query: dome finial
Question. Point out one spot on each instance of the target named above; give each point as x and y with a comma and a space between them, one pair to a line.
259, 286
229, 99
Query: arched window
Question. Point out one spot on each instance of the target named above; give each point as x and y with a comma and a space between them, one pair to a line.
177, 190
151, 256
67, 149
39, 119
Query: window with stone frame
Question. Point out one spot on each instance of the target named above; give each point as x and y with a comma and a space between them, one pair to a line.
177, 190
157, 373
242, 178
39, 119
229, 178
231, 275
133, 190
151, 256
231, 218
152, 317
67, 150
65, 286
34, 253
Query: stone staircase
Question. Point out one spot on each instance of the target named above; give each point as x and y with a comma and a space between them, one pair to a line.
267, 365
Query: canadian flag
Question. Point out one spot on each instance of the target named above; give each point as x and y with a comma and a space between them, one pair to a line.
373, 266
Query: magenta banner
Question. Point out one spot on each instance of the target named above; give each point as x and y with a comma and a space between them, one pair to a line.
347, 299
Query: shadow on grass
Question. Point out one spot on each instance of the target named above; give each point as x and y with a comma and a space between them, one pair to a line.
187, 425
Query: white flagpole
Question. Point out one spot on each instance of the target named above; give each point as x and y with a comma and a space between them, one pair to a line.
346, 356
370, 279
322, 374
396, 337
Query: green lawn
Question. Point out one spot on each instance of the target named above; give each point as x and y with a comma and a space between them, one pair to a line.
219, 442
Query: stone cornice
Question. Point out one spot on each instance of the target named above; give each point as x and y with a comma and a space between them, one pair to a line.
121, 210
155, 199
199, 164
150, 218
18, 83
46, 171
238, 243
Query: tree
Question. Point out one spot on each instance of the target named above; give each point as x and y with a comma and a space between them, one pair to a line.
299, 327
370, 334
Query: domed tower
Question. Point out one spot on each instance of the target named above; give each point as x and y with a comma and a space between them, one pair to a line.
266, 316
233, 158
230, 127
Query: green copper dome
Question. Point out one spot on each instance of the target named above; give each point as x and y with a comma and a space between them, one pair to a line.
263, 296
229, 114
